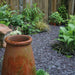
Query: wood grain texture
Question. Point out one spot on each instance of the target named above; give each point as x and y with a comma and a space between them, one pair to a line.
47, 6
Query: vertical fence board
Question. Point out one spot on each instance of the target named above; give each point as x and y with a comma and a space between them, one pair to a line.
24, 3
53, 5
11, 4
46, 9
71, 7
47, 6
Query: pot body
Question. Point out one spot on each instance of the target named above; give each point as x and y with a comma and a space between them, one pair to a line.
18, 60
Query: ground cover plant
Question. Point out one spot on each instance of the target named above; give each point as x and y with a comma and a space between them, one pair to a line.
42, 26
67, 39
31, 17
56, 18
63, 12
25, 22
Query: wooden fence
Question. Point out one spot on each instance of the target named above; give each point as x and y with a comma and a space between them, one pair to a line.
47, 6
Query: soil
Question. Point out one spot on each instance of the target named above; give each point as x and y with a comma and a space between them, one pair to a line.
45, 57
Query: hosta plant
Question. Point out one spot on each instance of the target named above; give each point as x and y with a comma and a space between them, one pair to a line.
67, 36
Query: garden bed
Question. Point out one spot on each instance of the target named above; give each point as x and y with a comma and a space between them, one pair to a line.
48, 59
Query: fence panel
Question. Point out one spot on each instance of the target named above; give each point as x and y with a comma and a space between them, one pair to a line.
47, 6
43, 5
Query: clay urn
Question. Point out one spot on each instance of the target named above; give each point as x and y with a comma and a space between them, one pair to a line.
18, 57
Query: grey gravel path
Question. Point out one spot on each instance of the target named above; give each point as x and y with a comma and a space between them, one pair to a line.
48, 59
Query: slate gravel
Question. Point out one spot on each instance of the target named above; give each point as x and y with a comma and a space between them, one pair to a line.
48, 59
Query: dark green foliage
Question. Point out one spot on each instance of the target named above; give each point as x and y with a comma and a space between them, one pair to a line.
16, 20
56, 18
26, 21
30, 17
67, 37
29, 29
63, 12
62, 48
5, 15
32, 14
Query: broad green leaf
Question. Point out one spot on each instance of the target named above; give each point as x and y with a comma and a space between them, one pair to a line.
63, 29
70, 40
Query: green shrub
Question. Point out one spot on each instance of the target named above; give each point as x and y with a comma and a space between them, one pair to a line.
17, 20
30, 17
26, 21
28, 29
32, 14
56, 18
63, 12
67, 36
5, 14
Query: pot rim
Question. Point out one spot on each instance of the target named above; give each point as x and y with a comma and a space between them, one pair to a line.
18, 43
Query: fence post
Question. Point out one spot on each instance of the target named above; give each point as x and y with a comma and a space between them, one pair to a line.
20, 5
53, 5
71, 7
49, 7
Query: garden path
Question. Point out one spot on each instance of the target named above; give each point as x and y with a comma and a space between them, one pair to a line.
48, 59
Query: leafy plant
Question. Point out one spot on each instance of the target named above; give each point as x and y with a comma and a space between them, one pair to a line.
3, 3
17, 20
4, 22
42, 26
16, 32
72, 19
32, 14
30, 17
41, 72
56, 18
67, 36
28, 29
5, 14
63, 12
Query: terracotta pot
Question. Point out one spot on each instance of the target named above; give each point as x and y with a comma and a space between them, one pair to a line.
18, 58
54, 24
